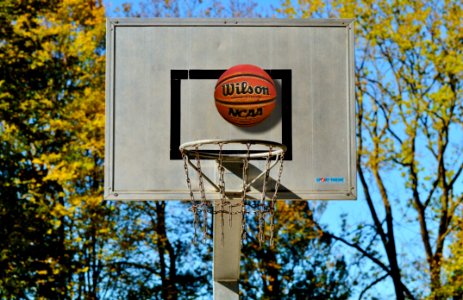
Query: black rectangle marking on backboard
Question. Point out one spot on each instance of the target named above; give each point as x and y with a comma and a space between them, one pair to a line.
176, 77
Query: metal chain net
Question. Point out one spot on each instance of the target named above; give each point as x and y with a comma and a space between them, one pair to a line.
264, 211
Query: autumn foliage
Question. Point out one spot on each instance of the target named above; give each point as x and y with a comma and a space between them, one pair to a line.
52, 120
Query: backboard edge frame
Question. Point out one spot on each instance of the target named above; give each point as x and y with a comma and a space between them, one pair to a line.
258, 22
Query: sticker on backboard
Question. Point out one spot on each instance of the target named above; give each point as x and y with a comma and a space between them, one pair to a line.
338, 180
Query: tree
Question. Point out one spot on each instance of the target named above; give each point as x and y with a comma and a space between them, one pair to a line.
409, 115
52, 114
452, 286
301, 264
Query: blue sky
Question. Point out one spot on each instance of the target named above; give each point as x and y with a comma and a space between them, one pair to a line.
265, 7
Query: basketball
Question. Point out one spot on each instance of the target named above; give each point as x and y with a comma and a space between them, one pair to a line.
245, 95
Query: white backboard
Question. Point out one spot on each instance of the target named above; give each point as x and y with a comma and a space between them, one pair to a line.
160, 83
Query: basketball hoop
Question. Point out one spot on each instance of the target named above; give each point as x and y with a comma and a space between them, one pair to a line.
241, 151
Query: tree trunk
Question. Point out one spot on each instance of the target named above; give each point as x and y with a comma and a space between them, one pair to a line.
168, 275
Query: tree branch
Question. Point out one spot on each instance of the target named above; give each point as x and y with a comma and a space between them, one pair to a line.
134, 265
378, 280
361, 250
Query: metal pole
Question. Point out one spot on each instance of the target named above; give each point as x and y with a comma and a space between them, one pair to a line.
226, 255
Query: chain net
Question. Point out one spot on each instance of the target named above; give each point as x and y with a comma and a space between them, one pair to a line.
223, 209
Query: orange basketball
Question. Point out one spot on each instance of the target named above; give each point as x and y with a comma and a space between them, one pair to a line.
245, 95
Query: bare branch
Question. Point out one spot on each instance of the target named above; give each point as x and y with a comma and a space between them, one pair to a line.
361, 250
125, 264
371, 206
457, 174
378, 280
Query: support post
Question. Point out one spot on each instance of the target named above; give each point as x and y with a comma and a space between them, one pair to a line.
226, 255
